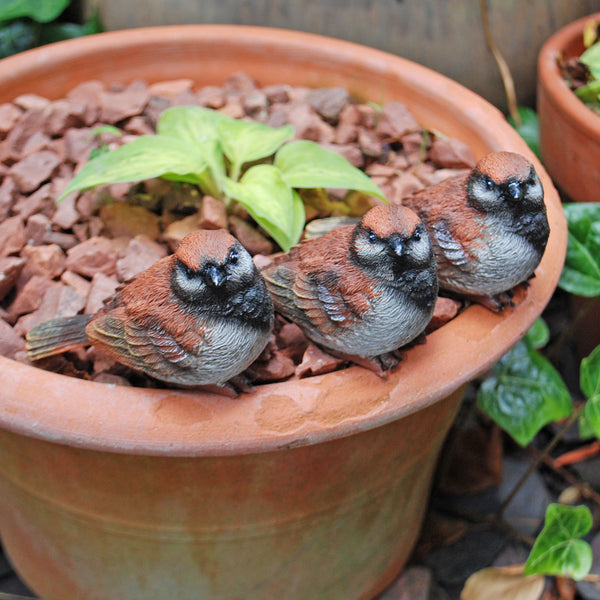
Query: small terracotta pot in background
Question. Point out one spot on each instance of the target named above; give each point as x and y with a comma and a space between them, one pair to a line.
570, 146
311, 488
569, 130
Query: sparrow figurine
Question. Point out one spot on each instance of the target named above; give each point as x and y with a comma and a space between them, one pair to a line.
488, 227
361, 290
197, 317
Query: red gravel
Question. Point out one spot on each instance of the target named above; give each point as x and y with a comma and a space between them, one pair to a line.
60, 259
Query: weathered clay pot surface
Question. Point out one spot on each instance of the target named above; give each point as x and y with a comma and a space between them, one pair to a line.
569, 131
300, 489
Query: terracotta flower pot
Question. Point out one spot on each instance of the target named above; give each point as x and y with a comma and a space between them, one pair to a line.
570, 145
302, 489
569, 130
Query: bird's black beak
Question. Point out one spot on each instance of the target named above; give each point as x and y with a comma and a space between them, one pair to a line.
396, 245
214, 276
514, 190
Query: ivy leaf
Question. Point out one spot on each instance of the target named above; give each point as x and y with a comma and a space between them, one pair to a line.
589, 381
17, 36
247, 141
557, 549
529, 129
42, 12
305, 164
586, 431
525, 393
270, 201
539, 334
145, 157
581, 273
589, 374
56, 32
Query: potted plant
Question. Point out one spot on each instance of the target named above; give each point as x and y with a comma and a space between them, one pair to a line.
303, 488
569, 131
570, 150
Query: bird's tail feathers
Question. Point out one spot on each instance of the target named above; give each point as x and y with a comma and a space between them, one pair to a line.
56, 336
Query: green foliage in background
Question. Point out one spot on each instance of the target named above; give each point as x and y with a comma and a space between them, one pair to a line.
25, 24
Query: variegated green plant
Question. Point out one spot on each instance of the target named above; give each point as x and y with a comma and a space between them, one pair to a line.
216, 152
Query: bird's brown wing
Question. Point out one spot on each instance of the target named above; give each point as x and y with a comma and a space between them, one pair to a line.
144, 346
450, 252
323, 300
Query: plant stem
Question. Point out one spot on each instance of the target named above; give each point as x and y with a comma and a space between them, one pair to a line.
582, 487
235, 170
507, 80
536, 463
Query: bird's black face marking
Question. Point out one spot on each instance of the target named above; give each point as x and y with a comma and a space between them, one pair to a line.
394, 259
513, 195
232, 288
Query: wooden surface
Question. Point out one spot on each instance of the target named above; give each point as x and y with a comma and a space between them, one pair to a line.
444, 35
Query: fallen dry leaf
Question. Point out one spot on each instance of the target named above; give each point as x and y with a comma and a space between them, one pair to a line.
503, 583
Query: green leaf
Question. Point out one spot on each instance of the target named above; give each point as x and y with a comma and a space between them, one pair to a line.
586, 431
529, 129
56, 32
105, 129
17, 37
525, 393
145, 157
591, 59
305, 164
589, 381
198, 126
557, 549
298, 217
247, 141
42, 11
591, 417
581, 273
270, 201
193, 124
589, 92
589, 374
538, 334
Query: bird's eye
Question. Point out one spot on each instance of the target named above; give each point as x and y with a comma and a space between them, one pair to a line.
416, 236
489, 183
371, 237
233, 257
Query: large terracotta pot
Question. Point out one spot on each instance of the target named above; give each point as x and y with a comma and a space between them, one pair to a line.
569, 130
302, 489
421, 30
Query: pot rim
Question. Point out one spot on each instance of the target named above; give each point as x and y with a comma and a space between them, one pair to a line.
556, 89
62, 409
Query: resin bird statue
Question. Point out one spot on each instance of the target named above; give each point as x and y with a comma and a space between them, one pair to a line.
488, 227
200, 316
360, 291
